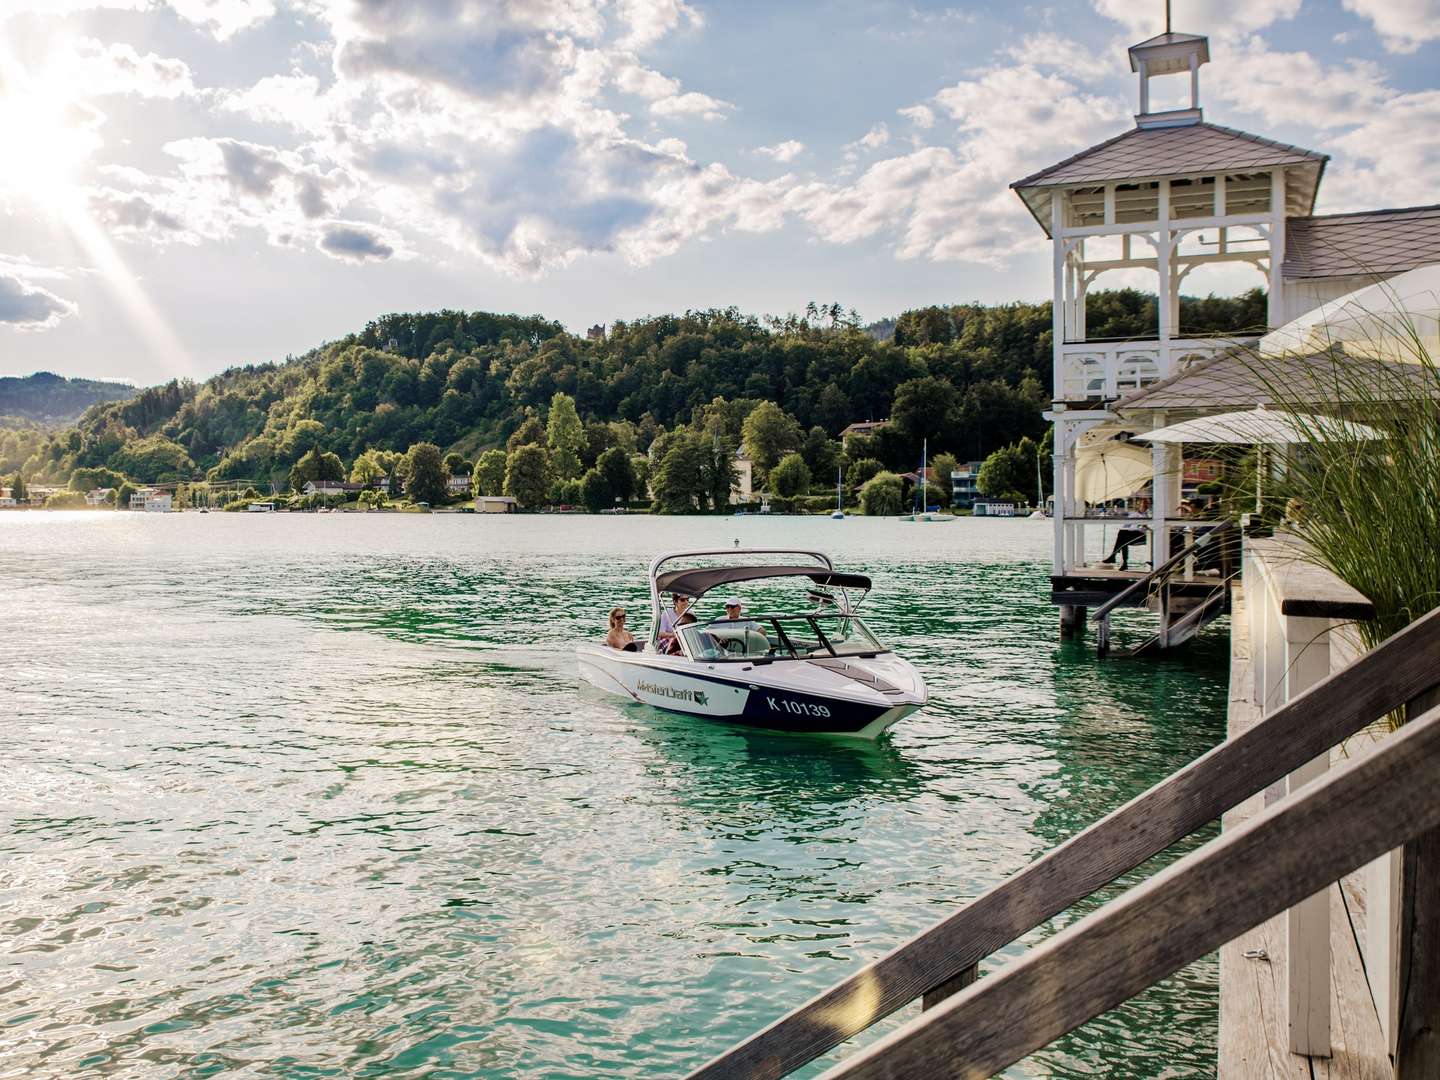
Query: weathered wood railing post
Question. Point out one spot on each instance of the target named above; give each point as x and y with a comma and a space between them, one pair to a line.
1417, 1015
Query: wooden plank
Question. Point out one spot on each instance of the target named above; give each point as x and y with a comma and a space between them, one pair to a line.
1393, 672
1417, 1044
1252, 1009
1189, 909
1357, 1046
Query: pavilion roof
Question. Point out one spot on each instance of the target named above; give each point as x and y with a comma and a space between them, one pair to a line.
1371, 242
1243, 380
1154, 153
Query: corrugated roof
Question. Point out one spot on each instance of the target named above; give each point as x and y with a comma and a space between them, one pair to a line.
1151, 152
1379, 242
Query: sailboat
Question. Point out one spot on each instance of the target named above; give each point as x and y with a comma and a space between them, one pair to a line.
924, 513
839, 514
1039, 511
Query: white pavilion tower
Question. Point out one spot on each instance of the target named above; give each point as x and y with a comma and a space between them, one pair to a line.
1171, 195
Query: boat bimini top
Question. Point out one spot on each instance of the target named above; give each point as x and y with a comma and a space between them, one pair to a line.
695, 581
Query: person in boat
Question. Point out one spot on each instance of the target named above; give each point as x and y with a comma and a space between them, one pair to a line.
679, 615
619, 637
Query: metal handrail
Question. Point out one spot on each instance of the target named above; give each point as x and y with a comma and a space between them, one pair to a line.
943, 957
1141, 583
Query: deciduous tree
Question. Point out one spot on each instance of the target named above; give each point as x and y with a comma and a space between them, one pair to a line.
489, 475
527, 475
790, 477
565, 436
882, 495
424, 473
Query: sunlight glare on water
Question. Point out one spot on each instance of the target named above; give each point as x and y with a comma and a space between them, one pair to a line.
299, 795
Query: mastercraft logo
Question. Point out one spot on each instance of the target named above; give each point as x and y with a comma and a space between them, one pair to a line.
669, 692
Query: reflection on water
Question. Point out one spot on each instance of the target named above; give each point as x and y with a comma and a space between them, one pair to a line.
316, 796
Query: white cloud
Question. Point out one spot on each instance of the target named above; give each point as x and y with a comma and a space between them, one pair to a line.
26, 306
95, 68
1403, 25
294, 100
1250, 77
922, 116
873, 139
1218, 18
788, 150
939, 202
692, 104
647, 21
223, 18
1050, 51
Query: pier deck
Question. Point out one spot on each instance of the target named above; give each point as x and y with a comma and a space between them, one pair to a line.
1254, 1043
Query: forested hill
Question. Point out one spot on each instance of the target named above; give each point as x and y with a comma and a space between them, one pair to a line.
970, 378
46, 398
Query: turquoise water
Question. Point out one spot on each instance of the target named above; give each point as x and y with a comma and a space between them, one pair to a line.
302, 796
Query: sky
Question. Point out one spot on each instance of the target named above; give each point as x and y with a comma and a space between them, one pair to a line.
188, 185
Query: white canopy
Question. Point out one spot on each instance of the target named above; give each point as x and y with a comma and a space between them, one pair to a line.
1261, 426
1386, 321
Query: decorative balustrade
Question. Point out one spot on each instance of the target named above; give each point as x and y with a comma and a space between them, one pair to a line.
1105, 370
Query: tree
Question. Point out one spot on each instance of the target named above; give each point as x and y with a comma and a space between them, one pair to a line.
317, 466
424, 473
679, 482
17, 488
941, 466
1011, 471
925, 408
769, 434
820, 452
369, 470
458, 465
882, 495
833, 409
791, 477
861, 471
719, 471
530, 431
595, 491
565, 436
89, 479
619, 473
122, 495
153, 459
527, 475
489, 475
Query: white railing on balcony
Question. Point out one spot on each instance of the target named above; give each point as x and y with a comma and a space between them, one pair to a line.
1105, 370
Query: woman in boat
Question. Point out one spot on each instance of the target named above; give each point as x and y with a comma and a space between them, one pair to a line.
619, 637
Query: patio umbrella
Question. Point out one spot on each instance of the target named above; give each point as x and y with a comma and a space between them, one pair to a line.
1110, 470
1379, 322
1261, 427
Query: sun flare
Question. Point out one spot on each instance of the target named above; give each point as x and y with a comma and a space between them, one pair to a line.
47, 136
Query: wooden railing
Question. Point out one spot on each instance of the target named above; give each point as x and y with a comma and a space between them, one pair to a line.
1290, 851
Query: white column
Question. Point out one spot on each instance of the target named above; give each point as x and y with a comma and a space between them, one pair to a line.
1064, 465
1307, 924
1165, 463
1275, 312
1163, 290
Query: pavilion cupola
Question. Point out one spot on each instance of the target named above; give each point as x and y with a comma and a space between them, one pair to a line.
1169, 54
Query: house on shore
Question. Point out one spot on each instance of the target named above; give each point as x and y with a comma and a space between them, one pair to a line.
337, 489
151, 500
494, 504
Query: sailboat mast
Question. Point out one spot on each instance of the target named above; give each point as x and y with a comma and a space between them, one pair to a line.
924, 459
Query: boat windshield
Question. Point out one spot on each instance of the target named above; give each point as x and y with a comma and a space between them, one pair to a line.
781, 637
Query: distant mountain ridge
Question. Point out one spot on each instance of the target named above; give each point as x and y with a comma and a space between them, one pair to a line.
47, 398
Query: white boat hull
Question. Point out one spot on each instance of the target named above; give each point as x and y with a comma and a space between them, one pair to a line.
851, 696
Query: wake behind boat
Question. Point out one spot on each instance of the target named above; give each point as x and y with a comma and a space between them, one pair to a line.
813, 668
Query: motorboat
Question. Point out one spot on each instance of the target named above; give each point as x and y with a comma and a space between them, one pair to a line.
812, 667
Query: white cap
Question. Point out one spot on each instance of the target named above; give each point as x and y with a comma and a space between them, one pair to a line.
733, 601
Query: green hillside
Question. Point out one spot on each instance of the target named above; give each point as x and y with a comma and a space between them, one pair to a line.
46, 398
971, 378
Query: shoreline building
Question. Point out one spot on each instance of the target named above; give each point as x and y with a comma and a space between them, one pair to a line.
1172, 195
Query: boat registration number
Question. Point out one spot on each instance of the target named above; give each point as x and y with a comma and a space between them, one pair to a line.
800, 708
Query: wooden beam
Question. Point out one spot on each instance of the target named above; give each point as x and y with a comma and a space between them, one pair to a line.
1382, 680
1232, 220
1417, 1045
1191, 908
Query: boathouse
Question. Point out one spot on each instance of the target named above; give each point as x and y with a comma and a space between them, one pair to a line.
1174, 194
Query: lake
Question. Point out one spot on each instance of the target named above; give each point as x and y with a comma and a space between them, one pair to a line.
321, 795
